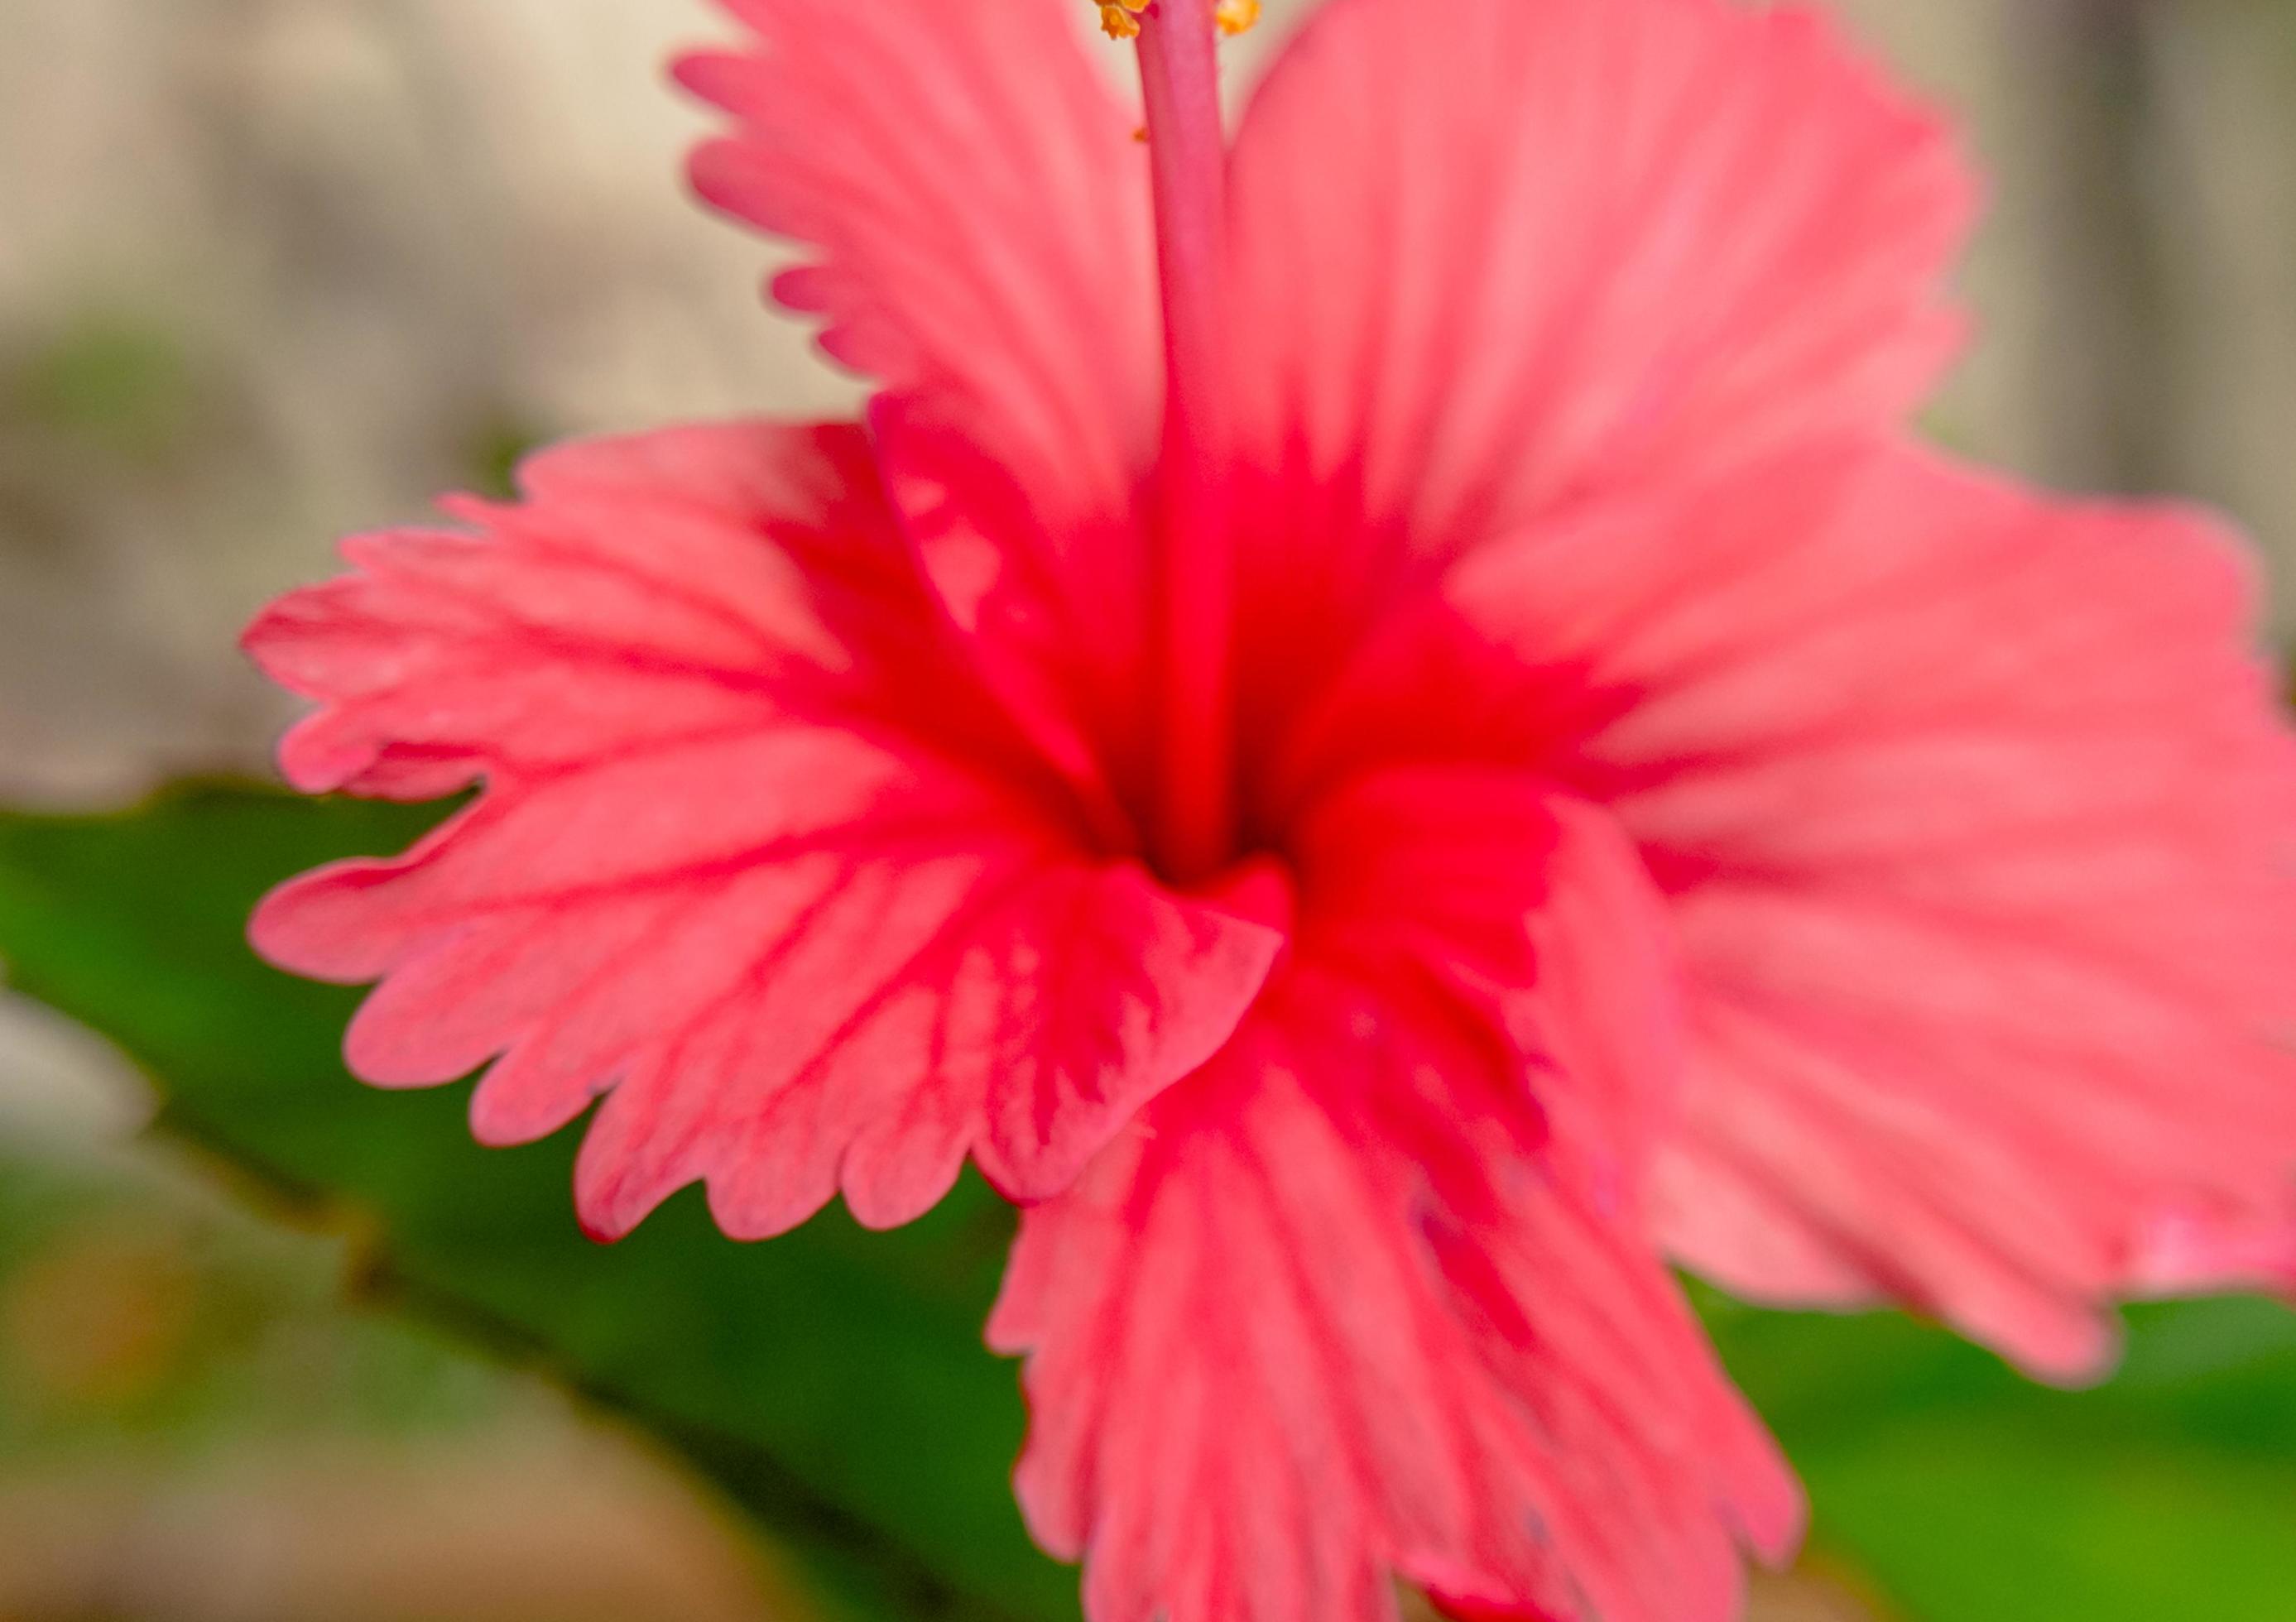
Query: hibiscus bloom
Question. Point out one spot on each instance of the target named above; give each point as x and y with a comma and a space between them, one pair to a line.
1384, 725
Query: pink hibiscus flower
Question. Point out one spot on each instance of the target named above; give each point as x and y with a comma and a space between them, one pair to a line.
1385, 726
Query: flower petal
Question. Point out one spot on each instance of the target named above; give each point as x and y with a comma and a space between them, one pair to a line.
1370, 1294
1531, 905
753, 849
980, 219
2200, 1253
1980, 826
1027, 1023
655, 591
979, 212
1496, 253
1342, 1310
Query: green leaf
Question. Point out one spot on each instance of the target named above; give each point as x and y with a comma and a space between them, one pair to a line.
1968, 1494
834, 1381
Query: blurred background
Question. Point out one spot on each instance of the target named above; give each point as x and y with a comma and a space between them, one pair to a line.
272, 270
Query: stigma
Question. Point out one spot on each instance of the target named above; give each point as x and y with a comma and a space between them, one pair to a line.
1121, 19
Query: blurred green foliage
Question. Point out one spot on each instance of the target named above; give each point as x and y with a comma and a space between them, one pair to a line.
494, 451
147, 1316
1966, 1493
114, 384
834, 1381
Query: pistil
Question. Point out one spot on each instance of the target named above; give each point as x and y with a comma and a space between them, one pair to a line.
1193, 567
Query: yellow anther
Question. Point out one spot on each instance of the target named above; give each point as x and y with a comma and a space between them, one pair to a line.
1121, 19
1235, 16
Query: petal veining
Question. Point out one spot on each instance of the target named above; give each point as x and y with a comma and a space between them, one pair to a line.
1980, 828
753, 852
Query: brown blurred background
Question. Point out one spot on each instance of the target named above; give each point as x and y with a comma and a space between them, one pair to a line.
271, 270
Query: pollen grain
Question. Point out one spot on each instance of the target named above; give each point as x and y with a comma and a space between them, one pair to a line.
1236, 16
1121, 19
